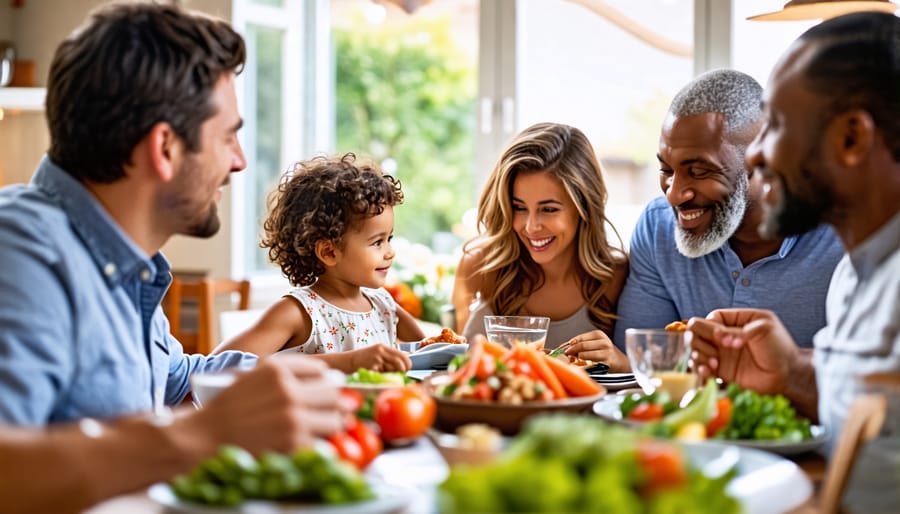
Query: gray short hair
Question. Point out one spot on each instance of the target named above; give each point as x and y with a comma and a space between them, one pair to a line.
734, 94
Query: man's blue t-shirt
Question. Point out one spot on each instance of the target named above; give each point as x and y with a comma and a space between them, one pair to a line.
663, 285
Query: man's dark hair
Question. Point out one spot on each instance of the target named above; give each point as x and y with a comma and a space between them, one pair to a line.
856, 65
131, 66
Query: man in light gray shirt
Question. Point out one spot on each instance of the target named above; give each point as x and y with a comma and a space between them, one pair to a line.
829, 152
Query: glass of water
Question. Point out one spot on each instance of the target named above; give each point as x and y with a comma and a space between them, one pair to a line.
511, 330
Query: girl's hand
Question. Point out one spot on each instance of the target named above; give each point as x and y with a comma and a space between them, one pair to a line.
598, 347
380, 357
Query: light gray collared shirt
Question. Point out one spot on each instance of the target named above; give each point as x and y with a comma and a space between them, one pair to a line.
862, 334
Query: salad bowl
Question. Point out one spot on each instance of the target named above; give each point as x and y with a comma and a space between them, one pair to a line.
507, 418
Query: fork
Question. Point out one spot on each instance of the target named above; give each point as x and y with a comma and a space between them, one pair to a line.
556, 352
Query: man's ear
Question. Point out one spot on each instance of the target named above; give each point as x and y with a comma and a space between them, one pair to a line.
327, 252
166, 150
853, 136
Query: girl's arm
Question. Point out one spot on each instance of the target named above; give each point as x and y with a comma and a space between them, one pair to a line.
284, 322
407, 327
466, 285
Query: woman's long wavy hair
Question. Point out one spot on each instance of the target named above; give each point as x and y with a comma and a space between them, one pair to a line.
508, 272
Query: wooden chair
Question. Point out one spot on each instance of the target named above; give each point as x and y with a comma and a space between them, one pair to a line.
204, 292
863, 423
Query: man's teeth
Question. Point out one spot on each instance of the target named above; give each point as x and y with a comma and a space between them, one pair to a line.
693, 216
538, 243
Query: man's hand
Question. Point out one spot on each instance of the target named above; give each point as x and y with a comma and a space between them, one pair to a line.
750, 347
281, 405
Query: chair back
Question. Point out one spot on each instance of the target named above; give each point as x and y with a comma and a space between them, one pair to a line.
204, 292
863, 423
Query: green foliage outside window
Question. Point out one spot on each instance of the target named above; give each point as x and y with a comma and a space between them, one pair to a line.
407, 93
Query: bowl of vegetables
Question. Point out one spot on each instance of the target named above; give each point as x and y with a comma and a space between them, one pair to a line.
735, 415
369, 383
502, 387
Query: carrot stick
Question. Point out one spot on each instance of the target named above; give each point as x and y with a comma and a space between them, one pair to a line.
494, 349
467, 371
575, 380
540, 367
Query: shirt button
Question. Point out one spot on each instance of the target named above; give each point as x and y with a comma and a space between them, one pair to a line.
109, 269
735, 274
145, 275
745, 282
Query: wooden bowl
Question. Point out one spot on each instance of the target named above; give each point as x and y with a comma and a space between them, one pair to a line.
506, 418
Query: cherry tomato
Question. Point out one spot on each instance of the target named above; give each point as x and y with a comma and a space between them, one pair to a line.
722, 417
662, 465
368, 439
483, 392
487, 366
352, 400
647, 411
348, 449
404, 412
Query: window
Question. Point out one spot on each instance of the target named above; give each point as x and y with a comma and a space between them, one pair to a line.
435, 95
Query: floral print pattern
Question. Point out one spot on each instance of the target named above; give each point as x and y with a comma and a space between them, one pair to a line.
338, 330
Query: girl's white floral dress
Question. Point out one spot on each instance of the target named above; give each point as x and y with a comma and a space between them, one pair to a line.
339, 330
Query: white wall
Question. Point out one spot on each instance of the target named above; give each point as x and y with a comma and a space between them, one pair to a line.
36, 29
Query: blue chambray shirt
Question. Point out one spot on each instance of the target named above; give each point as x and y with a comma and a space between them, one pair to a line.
81, 329
663, 285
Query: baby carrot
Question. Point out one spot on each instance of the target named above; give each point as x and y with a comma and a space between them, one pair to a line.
574, 379
494, 349
543, 371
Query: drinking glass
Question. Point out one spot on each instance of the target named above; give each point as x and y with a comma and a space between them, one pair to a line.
511, 330
659, 361
206, 386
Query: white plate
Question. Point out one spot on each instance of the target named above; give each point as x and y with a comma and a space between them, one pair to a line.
609, 408
615, 381
388, 499
436, 355
765, 483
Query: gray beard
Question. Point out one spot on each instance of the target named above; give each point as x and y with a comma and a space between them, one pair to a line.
726, 220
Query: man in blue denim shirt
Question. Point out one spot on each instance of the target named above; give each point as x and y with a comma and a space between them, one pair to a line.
143, 120
697, 248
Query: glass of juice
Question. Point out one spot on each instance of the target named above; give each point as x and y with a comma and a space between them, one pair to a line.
511, 330
659, 361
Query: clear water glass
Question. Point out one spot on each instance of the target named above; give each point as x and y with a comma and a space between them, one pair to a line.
511, 330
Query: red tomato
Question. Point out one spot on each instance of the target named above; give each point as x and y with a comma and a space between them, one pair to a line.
662, 465
404, 412
348, 449
368, 440
487, 365
352, 400
647, 411
482, 391
722, 417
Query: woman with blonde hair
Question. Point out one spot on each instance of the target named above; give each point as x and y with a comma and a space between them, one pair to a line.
542, 247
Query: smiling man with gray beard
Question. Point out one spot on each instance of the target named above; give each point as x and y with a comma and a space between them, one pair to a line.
697, 247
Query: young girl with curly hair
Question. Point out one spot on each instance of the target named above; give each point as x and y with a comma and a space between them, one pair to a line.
329, 228
542, 247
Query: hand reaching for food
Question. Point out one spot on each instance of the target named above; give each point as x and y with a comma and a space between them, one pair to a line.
379, 357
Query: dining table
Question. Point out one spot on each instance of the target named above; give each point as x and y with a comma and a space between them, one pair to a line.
418, 468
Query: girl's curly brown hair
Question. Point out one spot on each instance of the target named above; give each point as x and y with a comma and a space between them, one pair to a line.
321, 199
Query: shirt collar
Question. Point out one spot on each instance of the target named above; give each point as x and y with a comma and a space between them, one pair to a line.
876, 248
115, 254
